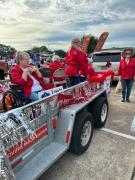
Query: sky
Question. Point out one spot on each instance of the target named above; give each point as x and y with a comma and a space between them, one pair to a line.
54, 23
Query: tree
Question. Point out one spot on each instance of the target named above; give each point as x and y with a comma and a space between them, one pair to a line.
60, 53
40, 49
92, 44
35, 49
6, 51
43, 49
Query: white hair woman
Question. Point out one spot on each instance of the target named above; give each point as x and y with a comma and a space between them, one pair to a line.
27, 77
76, 63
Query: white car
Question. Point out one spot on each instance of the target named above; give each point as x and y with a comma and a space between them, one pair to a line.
107, 59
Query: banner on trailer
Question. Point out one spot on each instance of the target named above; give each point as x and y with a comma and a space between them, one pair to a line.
101, 41
50, 92
85, 42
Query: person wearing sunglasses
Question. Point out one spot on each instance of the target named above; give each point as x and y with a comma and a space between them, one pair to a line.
126, 73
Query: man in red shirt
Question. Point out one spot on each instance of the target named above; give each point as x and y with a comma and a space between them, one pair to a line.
126, 73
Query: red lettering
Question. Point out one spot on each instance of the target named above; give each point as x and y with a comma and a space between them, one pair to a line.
27, 142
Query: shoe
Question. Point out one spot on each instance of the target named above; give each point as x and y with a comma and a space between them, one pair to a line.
123, 100
127, 100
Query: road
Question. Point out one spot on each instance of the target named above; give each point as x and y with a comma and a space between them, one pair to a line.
111, 155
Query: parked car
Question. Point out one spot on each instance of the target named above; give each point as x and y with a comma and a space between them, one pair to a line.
107, 59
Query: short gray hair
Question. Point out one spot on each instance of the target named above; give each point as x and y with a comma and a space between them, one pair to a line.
20, 55
74, 42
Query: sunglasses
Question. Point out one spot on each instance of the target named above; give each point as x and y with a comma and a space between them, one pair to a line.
128, 53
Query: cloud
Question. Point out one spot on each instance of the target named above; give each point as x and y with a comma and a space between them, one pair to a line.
26, 23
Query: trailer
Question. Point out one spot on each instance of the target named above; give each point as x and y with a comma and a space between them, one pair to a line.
34, 136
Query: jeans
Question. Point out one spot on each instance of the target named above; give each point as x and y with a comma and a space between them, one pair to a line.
34, 96
22, 95
126, 87
73, 80
82, 78
76, 80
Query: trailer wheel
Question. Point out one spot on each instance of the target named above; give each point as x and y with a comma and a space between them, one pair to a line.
100, 111
82, 133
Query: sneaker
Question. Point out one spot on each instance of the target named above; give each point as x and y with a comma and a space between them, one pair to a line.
127, 100
123, 100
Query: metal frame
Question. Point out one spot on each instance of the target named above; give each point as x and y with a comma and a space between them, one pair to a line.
39, 156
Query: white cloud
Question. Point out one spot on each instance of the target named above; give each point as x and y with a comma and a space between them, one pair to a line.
26, 23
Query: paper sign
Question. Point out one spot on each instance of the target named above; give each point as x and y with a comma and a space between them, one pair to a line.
50, 92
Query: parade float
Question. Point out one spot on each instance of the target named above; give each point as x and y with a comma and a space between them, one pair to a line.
34, 136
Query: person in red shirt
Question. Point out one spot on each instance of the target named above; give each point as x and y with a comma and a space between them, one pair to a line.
56, 64
28, 77
76, 63
43, 64
126, 73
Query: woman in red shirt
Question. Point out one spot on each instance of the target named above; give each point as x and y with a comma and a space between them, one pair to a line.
27, 77
76, 62
126, 73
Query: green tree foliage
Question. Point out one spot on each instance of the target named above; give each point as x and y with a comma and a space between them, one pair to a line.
41, 49
35, 49
60, 53
6, 51
92, 44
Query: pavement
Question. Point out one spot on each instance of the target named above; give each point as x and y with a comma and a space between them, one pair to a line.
111, 154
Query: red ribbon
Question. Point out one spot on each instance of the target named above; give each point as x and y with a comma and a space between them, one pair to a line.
101, 77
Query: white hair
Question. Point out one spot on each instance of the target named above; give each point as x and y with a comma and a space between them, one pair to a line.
55, 58
20, 56
74, 44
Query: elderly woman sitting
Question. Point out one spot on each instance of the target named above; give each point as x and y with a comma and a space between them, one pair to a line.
28, 77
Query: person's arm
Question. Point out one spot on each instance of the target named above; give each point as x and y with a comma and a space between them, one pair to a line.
25, 74
36, 71
83, 64
119, 71
91, 70
18, 77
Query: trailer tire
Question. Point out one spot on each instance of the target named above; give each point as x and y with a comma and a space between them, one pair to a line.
100, 111
82, 133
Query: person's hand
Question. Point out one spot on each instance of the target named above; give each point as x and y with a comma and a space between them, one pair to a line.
25, 73
33, 69
26, 70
